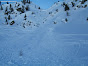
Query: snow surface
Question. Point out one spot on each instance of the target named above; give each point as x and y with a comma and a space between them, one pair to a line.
49, 40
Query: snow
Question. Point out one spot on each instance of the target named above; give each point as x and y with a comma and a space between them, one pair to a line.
51, 42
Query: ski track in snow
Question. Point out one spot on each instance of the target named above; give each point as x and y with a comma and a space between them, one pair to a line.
52, 49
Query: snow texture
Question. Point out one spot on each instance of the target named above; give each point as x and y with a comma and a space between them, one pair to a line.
45, 38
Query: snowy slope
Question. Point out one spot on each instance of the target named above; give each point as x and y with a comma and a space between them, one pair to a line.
49, 40
77, 19
34, 15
